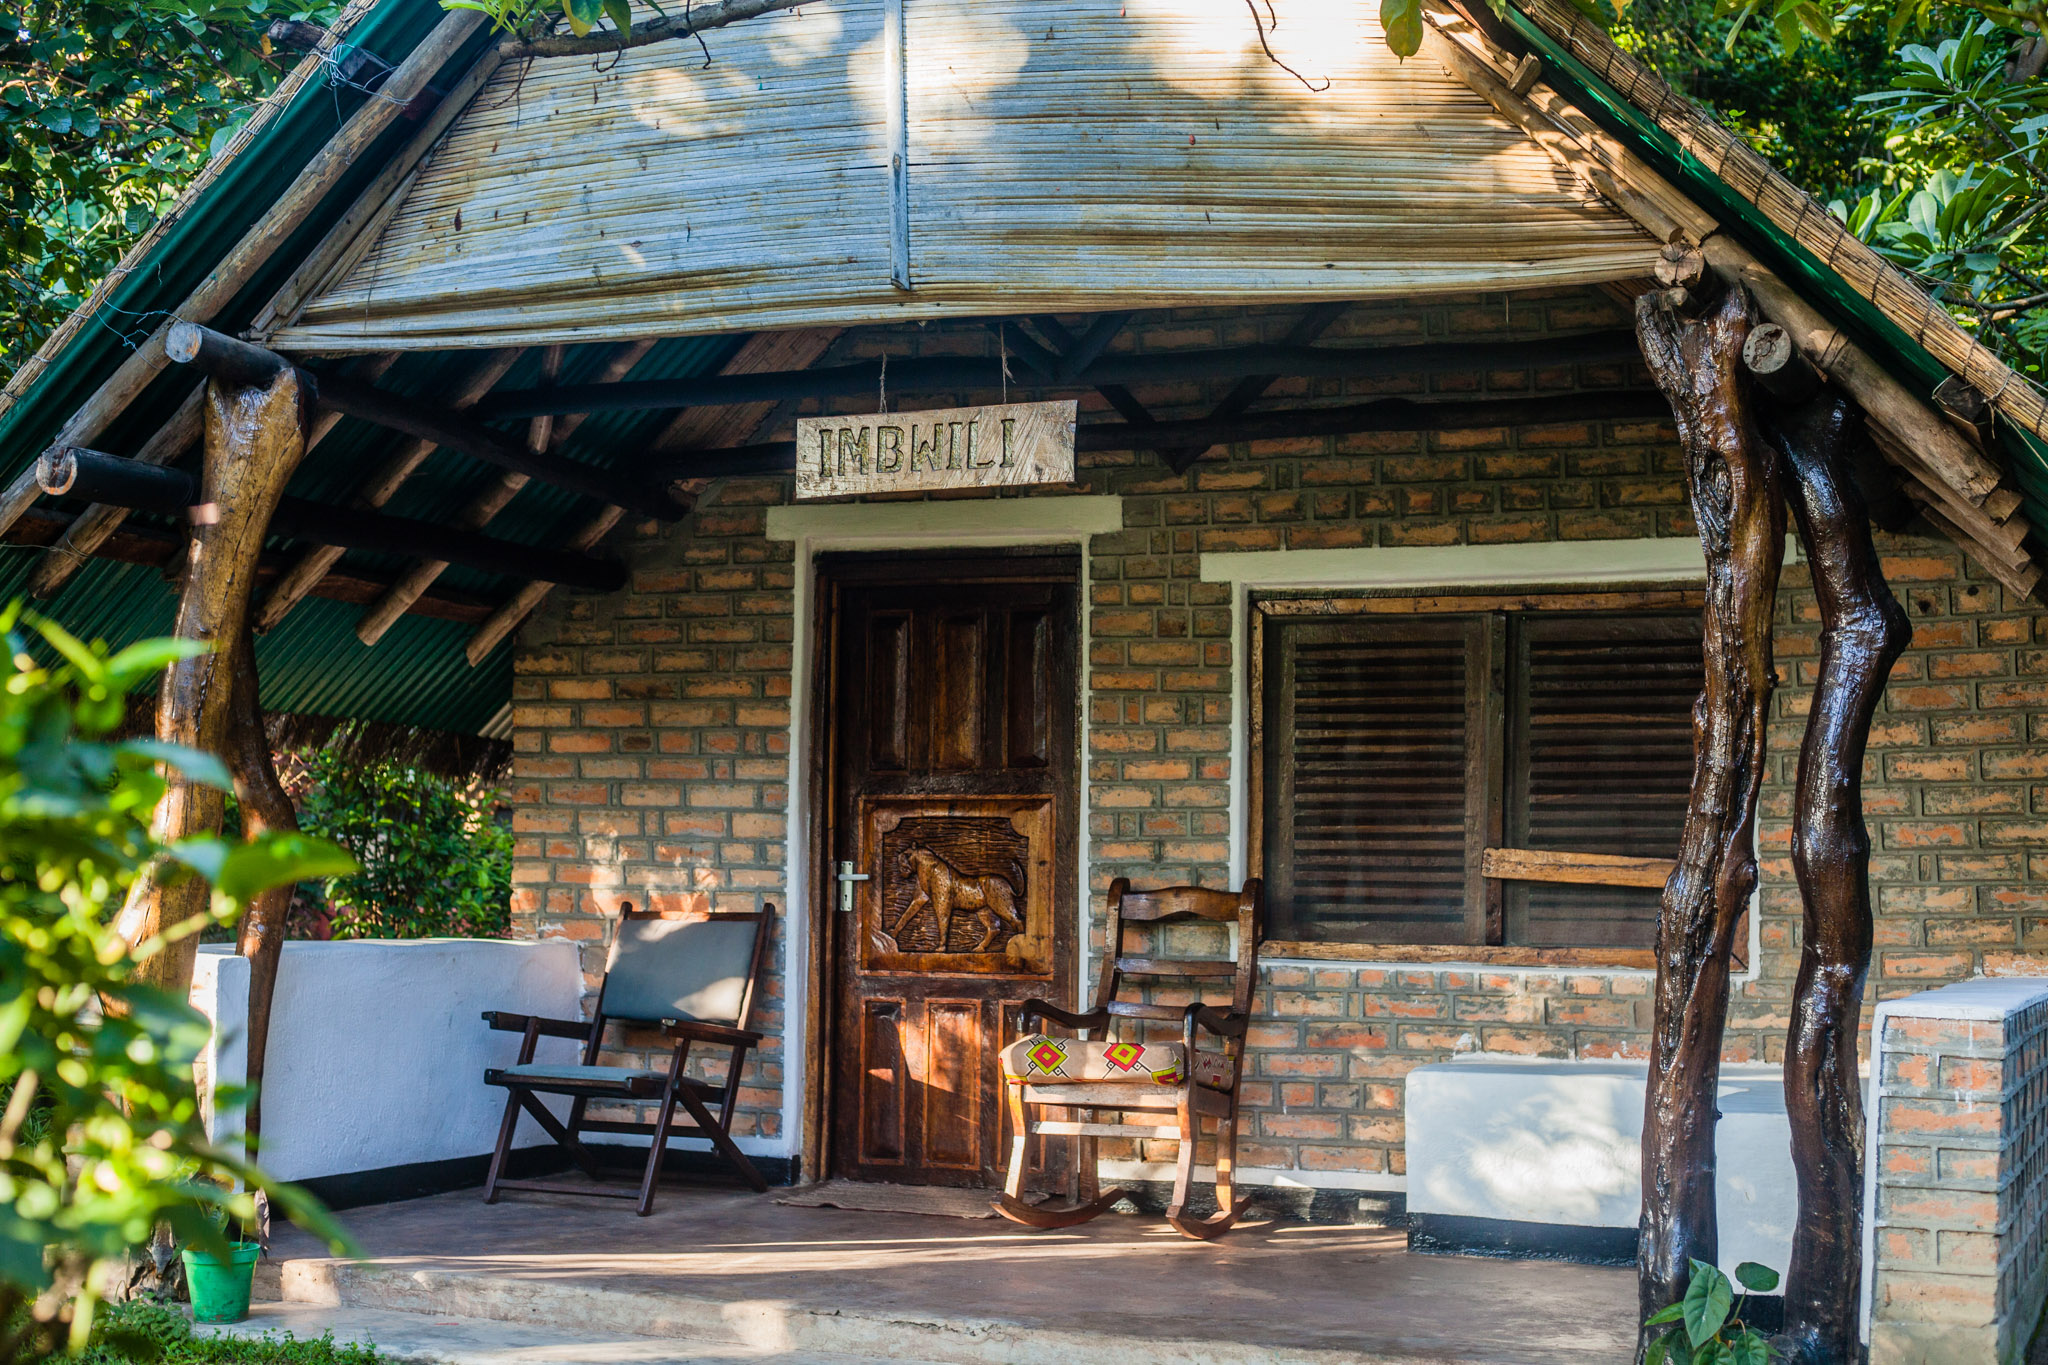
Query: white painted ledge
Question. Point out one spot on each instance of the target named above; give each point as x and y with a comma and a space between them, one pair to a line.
1673, 558
1560, 1143
964, 522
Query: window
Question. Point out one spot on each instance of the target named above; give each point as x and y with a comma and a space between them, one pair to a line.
1451, 774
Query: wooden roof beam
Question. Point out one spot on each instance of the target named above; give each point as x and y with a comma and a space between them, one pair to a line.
239, 361
291, 587
764, 353
1314, 321
1386, 414
544, 433
157, 546
111, 479
945, 374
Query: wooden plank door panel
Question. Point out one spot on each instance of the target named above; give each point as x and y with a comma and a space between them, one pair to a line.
954, 766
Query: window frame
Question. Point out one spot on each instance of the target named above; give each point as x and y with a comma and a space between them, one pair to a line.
1262, 607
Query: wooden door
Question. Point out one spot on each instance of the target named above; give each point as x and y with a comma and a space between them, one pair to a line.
953, 778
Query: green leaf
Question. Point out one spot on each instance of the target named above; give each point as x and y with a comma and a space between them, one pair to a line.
1757, 1279
201, 767
1707, 1301
278, 859
1672, 1347
582, 15
1749, 1348
1670, 1312
620, 12
1402, 19
57, 118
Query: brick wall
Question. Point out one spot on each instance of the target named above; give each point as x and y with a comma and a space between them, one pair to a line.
1959, 1155
652, 725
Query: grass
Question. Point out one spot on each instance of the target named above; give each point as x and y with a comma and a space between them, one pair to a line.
151, 1334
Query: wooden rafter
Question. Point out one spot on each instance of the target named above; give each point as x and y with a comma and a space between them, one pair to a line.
1038, 368
94, 474
769, 352
1386, 414
546, 433
159, 547
305, 576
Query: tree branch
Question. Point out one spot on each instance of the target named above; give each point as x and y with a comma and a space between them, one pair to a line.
647, 31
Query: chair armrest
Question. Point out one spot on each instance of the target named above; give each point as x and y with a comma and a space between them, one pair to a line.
710, 1033
1222, 1023
546, 1028
1045, 1009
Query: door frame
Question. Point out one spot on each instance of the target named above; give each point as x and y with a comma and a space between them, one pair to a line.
855, 569
965, 526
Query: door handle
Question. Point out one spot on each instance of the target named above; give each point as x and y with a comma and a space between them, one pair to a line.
847, 877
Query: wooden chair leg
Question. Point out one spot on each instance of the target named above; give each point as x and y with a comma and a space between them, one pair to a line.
722, 1140
506, 1128
1010, 1203
1228, 1208
657, 1150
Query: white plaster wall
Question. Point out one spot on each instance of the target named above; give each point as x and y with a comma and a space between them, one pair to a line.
378, 1047
1561, 1143
220, 990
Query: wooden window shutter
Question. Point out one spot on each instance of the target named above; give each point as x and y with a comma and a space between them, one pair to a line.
1376, 779
1600, 761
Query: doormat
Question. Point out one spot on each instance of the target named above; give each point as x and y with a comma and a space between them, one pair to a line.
875, 1197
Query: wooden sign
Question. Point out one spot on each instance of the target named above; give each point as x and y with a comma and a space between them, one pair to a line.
1004, 446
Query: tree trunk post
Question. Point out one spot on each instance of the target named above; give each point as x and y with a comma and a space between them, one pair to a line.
255, 434
1733, 481
266, 809
1863, 632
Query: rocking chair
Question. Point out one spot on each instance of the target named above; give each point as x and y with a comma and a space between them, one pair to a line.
691, 978
1128, 1073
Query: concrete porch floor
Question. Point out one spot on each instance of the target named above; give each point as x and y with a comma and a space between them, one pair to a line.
737, 1272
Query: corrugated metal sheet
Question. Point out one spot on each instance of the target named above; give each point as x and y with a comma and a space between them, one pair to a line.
1064, 154
312, 663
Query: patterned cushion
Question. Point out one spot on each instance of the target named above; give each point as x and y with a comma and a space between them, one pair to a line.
1043, 1060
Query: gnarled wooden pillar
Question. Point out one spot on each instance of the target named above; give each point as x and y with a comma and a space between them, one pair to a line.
266, 809
1863, 632
1733, 480
255, 434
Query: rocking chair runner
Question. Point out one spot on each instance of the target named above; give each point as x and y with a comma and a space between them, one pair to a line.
1131, 1074
694, 979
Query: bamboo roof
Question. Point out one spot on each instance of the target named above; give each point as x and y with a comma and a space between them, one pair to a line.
1097, 156
1063, 156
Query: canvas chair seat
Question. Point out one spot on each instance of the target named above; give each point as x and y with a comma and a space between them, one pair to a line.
1040, 1059
539, 1076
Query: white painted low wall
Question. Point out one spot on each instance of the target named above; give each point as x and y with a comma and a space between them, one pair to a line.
378, 1047
1560, 1143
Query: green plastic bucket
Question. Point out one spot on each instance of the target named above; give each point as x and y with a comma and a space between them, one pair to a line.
220, 1288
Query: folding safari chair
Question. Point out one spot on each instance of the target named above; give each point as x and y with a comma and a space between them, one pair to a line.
1125, 1071
691, 978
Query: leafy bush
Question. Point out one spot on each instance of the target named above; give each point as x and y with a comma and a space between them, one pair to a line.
134, 1333
101, 1137
434, 860
107, 110
1709, 1329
